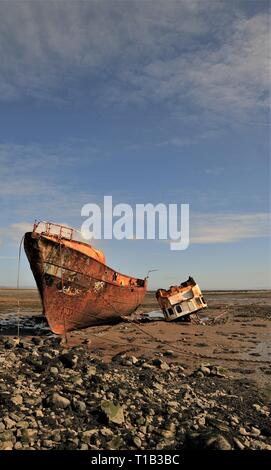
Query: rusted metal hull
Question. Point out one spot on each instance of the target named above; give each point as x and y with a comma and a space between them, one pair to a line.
77, 290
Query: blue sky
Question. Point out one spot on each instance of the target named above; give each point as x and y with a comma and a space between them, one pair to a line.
147, 101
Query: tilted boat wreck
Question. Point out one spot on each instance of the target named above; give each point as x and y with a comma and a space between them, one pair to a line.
77, 288
179, 302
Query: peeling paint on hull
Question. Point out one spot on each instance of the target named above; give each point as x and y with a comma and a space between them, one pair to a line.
77, 290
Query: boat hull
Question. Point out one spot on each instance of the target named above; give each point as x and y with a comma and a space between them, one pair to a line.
76, 290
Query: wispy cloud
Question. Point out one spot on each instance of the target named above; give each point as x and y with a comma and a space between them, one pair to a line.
36, 169
206, 54
204, 228
234, 77
35, 181
229, 228
14, 232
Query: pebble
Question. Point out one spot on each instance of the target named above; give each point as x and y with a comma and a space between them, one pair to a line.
9, 423
113, 412
137, 442
60, 401
243, 431
17, 400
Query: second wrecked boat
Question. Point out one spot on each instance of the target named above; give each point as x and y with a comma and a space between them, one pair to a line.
179, 302
77, 288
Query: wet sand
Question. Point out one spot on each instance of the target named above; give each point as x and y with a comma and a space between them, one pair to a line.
235, 334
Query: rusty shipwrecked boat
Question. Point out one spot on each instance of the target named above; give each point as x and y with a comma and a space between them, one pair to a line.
76, 287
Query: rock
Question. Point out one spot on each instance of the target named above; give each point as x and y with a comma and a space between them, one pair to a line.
217, 423
207, 440
114, 413
2, 427
221, 371
6, 445
11, 343
22, 424
9, 423
164, 366
143, 429
221, 443
118, 358
7, 436
28, 435
173, 404
91, 370
243, 431
238, 444
17, 399
88, 434
169, 352
79, 406
106, 432
255, 431
54, 371
69, 360
256, 406
137, 442
140, 421
18, 445
145, 365
133, 360
167, 434
14, 417
261, 409
261, 445
115, 443
235, 419
77, 381
59, 401
84, 447
199, 374
218, 371
205, 370
87, 341
48, 443
161, 364
37, 341
201, 421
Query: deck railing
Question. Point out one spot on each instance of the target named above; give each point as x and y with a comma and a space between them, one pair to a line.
52, 229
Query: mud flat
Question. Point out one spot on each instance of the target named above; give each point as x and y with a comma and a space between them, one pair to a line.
138, 385
235, 332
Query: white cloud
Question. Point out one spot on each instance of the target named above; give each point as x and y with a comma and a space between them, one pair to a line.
17, 230
36, 181
35, 170
204, 53
14, 232
228, 228
234, 76
204, 228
